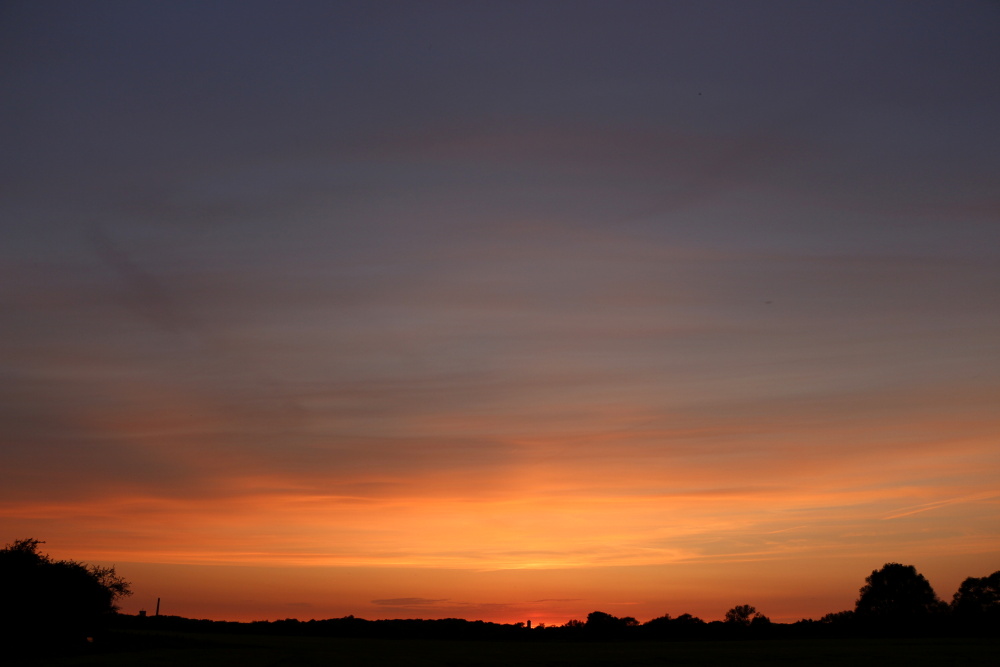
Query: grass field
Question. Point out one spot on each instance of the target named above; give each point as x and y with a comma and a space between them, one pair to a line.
194, 650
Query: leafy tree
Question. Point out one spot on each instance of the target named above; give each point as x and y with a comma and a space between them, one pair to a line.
659, 622
978, 597
746, 615
112, 582
740, 614
50, 603
688, 620
600, 623
897, 594
664, 626
599, 619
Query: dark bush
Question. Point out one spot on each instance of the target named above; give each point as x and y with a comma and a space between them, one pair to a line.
47, 604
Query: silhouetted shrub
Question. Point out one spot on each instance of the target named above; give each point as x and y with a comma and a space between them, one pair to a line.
47, 604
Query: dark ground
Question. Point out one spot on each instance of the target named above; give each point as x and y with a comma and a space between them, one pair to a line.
153, 649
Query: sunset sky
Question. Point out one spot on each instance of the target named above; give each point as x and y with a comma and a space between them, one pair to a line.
501, 310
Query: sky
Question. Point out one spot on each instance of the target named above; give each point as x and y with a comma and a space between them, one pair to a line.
501, 310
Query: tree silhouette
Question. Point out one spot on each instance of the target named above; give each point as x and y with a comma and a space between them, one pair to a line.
47, 603
687, 620
744, 617
741, 614
602, 624
897, 594
978, 598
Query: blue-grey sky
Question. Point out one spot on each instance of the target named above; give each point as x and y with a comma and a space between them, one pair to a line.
612, 288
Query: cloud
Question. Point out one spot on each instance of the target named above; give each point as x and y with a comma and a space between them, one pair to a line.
938, 504
409, 602
144, 294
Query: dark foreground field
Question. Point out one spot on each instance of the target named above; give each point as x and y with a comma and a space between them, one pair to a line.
194, 650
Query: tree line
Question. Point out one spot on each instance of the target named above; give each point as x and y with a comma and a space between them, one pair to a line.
894, 600
51, 604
